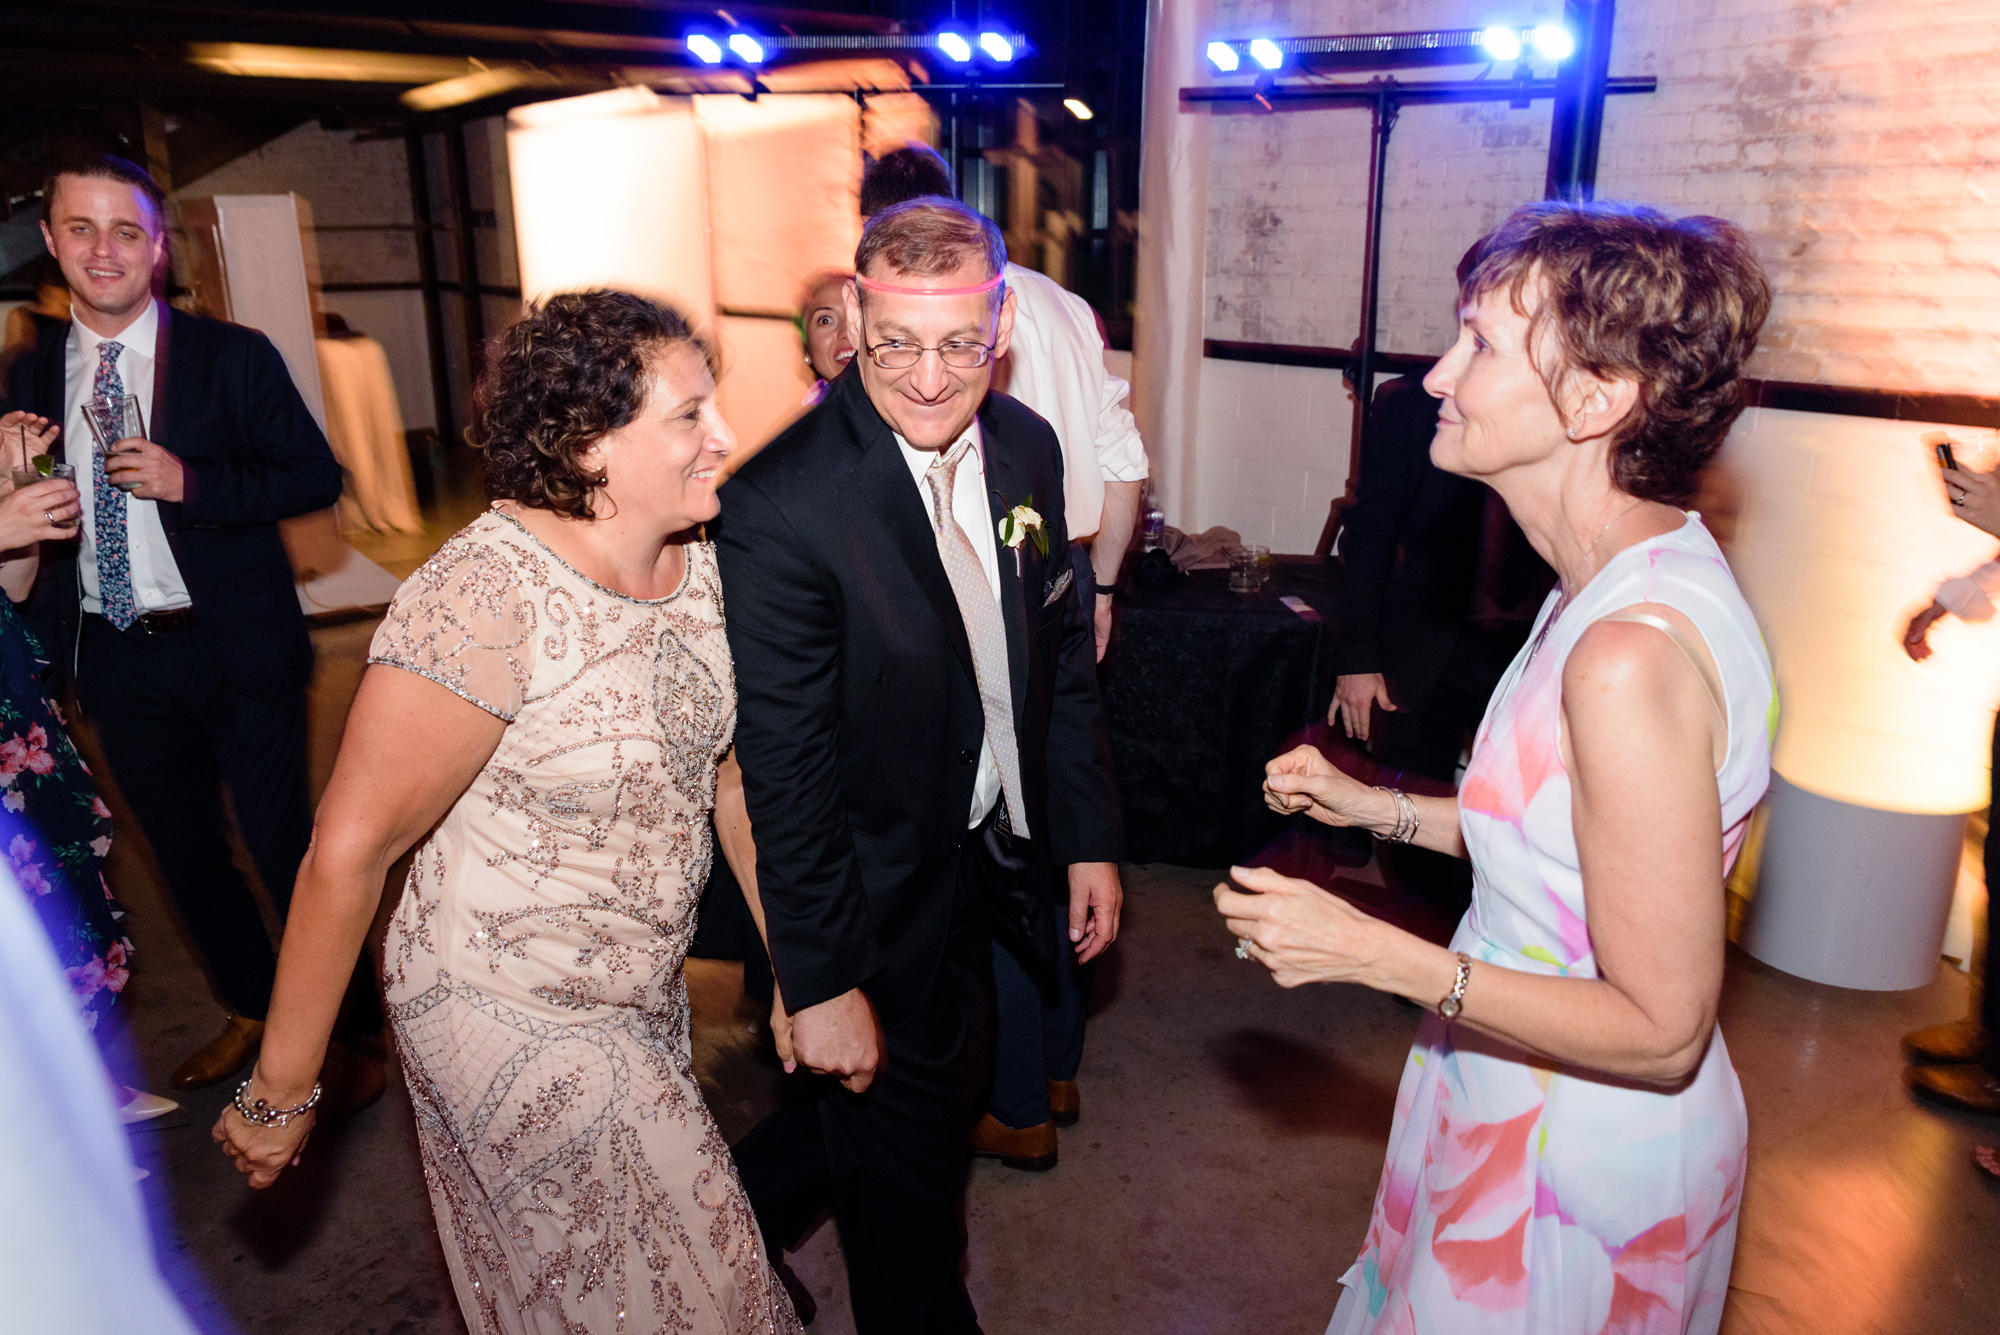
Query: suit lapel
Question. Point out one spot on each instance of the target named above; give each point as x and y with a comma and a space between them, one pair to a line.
160, 412
1005, 489
884, 480
52, 390
157, 412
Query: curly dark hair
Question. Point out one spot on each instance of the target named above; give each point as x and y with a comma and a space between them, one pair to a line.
573, 369
1626, 291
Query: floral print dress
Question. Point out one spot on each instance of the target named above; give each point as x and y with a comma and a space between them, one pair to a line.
1522, 1198
55, 829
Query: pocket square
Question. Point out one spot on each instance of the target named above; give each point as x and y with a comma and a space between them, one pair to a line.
1060, 587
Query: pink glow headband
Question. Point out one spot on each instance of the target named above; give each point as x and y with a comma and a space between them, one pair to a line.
894, 290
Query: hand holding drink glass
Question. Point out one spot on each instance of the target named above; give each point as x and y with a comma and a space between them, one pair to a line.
41, 502
132, 463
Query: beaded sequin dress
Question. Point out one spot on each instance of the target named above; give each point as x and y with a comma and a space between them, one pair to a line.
533, 969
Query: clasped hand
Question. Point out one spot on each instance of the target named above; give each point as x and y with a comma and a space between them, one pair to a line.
839, 1036
260, 1153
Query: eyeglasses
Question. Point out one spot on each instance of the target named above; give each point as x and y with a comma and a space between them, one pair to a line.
961, 354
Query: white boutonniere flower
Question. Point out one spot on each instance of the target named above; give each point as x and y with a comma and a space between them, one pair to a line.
1021, 523
1018, 523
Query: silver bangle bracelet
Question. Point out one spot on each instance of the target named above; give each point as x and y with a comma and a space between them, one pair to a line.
1407, 820
263, 1114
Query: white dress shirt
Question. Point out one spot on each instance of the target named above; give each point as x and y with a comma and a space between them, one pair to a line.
1056, 366
156, 580
969, 508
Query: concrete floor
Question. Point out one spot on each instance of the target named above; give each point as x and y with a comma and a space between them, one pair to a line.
1220, 1179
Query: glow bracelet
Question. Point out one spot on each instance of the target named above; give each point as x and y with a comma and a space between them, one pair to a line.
895, 290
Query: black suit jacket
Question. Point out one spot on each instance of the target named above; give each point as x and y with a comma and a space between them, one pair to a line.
1410, 551
225, 404
859, 723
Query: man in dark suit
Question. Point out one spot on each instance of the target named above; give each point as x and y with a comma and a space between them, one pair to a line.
923, 753
1437, 589
176, 611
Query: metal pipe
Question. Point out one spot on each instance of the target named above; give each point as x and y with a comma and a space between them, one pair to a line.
468, 250
1362, 94
1384, 120
427, 277
1581, 83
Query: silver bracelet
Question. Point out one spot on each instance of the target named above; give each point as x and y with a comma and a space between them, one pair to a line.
1407, 820
263, 1114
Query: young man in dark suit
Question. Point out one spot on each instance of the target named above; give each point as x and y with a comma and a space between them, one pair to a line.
176, 611
923, 750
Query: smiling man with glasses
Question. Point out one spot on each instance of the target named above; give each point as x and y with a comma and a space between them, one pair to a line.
923, 751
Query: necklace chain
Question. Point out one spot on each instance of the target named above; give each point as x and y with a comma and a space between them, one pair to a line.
1563, 604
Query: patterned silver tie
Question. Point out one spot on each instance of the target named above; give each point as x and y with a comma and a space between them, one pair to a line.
983, 627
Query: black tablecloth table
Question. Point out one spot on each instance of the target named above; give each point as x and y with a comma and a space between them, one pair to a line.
1202, 686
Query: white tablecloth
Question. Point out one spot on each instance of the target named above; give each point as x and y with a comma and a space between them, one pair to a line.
365, 428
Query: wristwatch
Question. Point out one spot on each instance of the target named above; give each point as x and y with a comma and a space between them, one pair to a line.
1454, 1000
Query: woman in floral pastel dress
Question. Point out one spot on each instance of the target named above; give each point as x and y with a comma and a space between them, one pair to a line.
549, 708
1567, 1155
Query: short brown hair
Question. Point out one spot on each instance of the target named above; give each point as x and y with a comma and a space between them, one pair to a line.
572, 370
1626, 291
909, 172
106, 167
928, 237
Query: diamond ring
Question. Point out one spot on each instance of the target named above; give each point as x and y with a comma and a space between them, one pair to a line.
1242, 947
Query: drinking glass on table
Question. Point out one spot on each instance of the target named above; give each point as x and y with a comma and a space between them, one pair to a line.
113, 420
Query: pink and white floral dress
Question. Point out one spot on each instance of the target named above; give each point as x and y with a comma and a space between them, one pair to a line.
1516, 1198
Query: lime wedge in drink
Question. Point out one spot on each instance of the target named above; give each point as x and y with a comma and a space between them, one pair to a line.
45, 464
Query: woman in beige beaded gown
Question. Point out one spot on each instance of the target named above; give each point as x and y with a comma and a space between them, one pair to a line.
555, 686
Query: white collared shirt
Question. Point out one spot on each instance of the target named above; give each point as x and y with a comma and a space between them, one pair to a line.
1055, 365
975, 516
156, 580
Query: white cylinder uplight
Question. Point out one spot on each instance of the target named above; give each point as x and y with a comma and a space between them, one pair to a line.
1841, 532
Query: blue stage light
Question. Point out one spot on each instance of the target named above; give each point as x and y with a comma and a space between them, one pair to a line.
1266, 53
998, 47
747, 48
1223, 56
1501, 43
954, 46
704, 48
1553, 42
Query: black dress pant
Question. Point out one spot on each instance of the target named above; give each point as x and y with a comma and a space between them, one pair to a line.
178, 733
1427, 737
891, 1162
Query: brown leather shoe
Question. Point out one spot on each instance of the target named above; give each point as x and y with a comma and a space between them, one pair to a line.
224, 1055
1032, 1149
1968, 1086
1065, 1102
1949, 1043
351, 1078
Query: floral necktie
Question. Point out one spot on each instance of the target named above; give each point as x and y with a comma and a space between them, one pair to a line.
114, 554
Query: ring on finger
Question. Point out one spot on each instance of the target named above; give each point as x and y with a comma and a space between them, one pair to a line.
1242, 947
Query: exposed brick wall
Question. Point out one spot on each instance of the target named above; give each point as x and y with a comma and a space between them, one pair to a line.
1858, 142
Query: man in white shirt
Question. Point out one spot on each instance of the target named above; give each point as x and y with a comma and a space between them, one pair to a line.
176, 613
